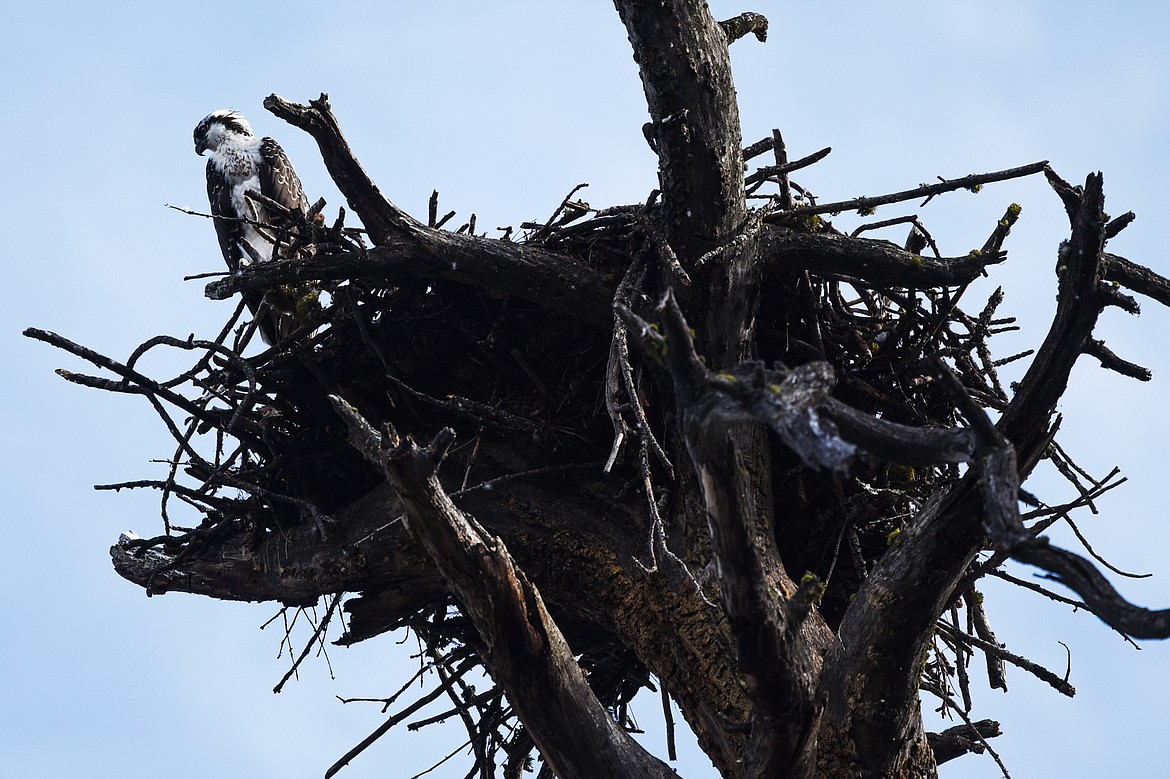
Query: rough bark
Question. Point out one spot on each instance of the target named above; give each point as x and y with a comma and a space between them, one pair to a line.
515, 270
683, 59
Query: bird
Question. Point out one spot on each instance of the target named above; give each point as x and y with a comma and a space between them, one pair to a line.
239, 163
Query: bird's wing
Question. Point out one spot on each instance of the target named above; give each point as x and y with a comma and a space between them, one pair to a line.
229, 231
278, 179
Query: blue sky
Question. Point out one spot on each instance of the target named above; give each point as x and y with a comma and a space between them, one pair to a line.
504, 107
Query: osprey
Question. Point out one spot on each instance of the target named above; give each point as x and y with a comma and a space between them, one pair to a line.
240, 163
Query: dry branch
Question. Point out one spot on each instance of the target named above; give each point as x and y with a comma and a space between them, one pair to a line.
524, 650
382, 219
1138, 278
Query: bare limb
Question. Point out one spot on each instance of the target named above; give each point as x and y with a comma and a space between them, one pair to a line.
1136, 277
1110, 360
525, 651
782, 168
879, 262
866, 205
381, 217
996, 651
1100, 597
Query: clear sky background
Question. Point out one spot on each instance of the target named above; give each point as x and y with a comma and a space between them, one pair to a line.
503, 107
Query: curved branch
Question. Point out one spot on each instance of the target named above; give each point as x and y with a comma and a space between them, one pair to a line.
1078, 305
899, 443
786, 402
381, 218
1000, 484
1081, 576
879, 262
1138, 278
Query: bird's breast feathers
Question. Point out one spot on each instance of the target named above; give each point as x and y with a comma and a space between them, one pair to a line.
238, 161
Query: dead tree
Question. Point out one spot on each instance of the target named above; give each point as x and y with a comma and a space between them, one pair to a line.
706, 442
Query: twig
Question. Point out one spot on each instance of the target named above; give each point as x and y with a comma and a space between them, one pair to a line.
1060, 685
898, 220
668, 718
318, 633
570, 209
1036, 588
781, 169
867, 204
1093, 553
178, 489
384, 728
132, 381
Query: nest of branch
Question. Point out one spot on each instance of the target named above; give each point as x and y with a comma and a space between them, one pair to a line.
531, 387
433, 354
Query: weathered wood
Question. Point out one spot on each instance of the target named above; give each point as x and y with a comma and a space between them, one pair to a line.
524, 649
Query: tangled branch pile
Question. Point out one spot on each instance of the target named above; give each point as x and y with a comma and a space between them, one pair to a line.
729, 448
